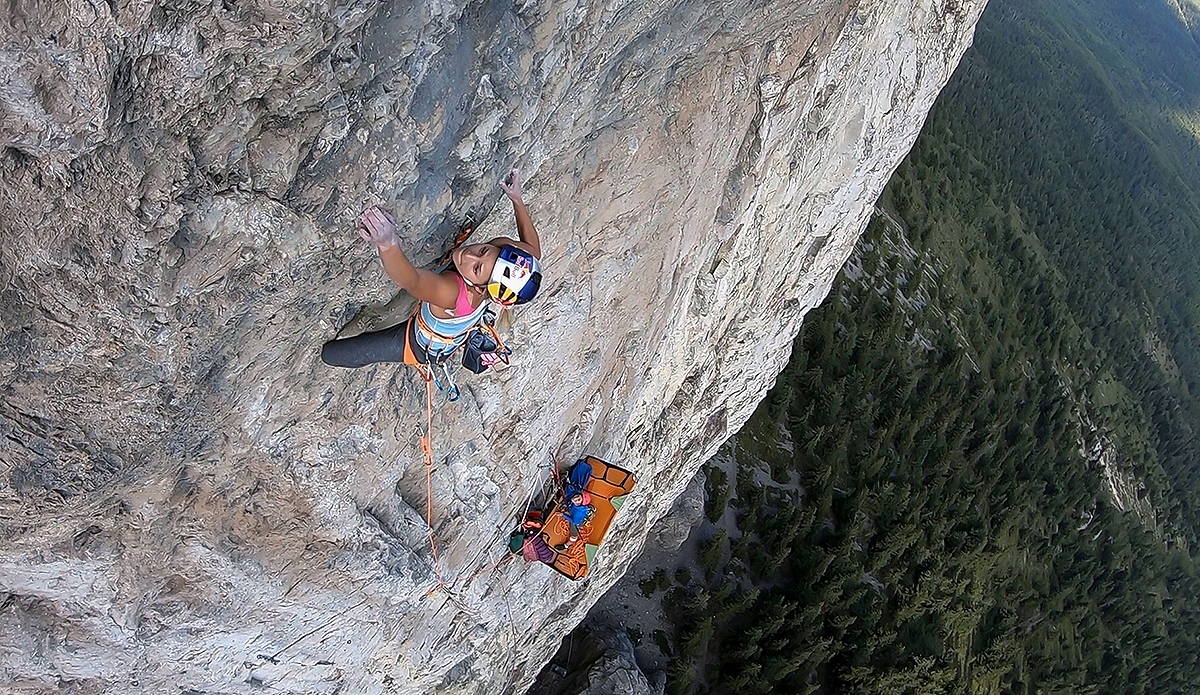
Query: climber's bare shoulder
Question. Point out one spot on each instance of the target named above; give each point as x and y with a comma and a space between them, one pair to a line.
438, 289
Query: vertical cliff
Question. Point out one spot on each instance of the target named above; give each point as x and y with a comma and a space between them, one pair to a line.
190, 501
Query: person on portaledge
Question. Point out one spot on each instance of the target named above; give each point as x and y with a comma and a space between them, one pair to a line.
579, 509
453, 300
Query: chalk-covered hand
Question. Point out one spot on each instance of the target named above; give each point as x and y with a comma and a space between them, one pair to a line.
377, 228
511, 185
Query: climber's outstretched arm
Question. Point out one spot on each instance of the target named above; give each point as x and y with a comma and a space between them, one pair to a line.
379, 229
525, 229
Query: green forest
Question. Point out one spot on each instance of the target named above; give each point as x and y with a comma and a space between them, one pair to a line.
979, 471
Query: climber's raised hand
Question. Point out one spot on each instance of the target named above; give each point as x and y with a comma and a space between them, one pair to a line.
377, 228
511, 185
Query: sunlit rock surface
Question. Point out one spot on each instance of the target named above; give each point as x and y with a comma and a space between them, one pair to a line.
191, 502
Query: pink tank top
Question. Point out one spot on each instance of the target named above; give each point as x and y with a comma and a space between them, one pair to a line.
462, 305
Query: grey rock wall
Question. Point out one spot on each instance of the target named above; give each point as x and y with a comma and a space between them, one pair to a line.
191, 502
674, 527
601, 662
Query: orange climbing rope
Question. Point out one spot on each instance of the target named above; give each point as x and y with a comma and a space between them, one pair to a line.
427, 449
426, 373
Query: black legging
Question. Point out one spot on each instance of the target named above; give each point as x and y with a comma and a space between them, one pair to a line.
386, 345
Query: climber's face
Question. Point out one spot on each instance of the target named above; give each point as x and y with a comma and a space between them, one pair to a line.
475, 262
577, 500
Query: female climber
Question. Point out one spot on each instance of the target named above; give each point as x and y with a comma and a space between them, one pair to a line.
452, 301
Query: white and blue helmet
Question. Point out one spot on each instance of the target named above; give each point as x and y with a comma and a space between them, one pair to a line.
516, 276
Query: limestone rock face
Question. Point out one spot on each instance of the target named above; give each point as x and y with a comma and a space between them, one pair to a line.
676, 525
191, 502
604, 663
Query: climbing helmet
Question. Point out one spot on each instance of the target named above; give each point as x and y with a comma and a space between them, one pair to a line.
515, 277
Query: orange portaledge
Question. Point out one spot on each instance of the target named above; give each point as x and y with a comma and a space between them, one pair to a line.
609, 486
